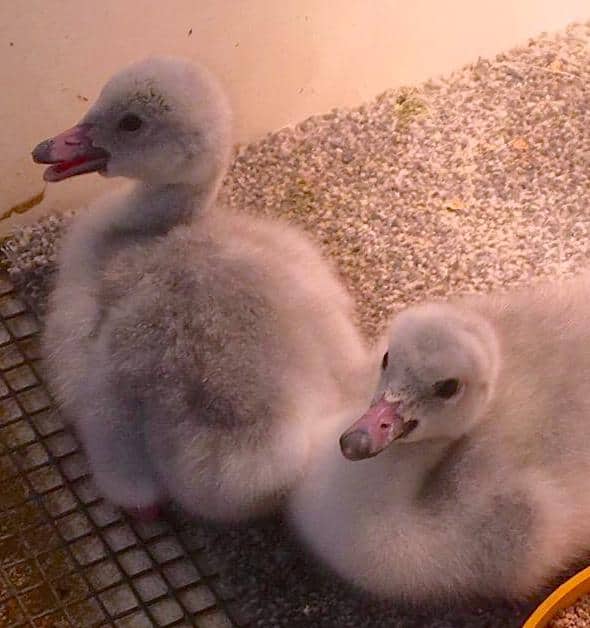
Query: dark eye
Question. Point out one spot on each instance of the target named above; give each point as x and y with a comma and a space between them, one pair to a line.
385, 361
130, 122
447, 388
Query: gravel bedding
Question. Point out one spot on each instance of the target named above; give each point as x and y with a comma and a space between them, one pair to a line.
477, 181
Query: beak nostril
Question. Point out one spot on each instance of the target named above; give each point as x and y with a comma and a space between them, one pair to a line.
384, 426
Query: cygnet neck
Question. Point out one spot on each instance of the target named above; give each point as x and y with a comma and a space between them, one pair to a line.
156, 208
146, 211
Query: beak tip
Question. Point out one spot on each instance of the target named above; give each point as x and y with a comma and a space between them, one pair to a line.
40, 153
356, 445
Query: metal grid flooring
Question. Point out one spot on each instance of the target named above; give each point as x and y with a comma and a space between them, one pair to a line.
68, 558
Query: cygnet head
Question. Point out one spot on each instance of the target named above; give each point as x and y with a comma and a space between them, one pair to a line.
161, 120
437, 376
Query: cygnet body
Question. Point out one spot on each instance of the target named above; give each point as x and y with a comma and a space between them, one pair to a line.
196, 351
466, 476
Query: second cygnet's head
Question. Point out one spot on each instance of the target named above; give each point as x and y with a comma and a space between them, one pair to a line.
162, 120
437, 375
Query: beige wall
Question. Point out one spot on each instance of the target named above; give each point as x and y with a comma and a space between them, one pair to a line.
281, 60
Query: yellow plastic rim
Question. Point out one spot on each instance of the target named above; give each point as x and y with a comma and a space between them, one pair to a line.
566, 595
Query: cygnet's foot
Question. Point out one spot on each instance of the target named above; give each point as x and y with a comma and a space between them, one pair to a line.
146, 514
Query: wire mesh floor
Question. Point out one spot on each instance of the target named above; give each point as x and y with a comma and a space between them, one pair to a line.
68, 558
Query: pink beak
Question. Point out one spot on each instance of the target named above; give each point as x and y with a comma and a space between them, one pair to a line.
374, 431
70, 153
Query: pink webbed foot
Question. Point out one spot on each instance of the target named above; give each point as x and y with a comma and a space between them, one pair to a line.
146, 514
